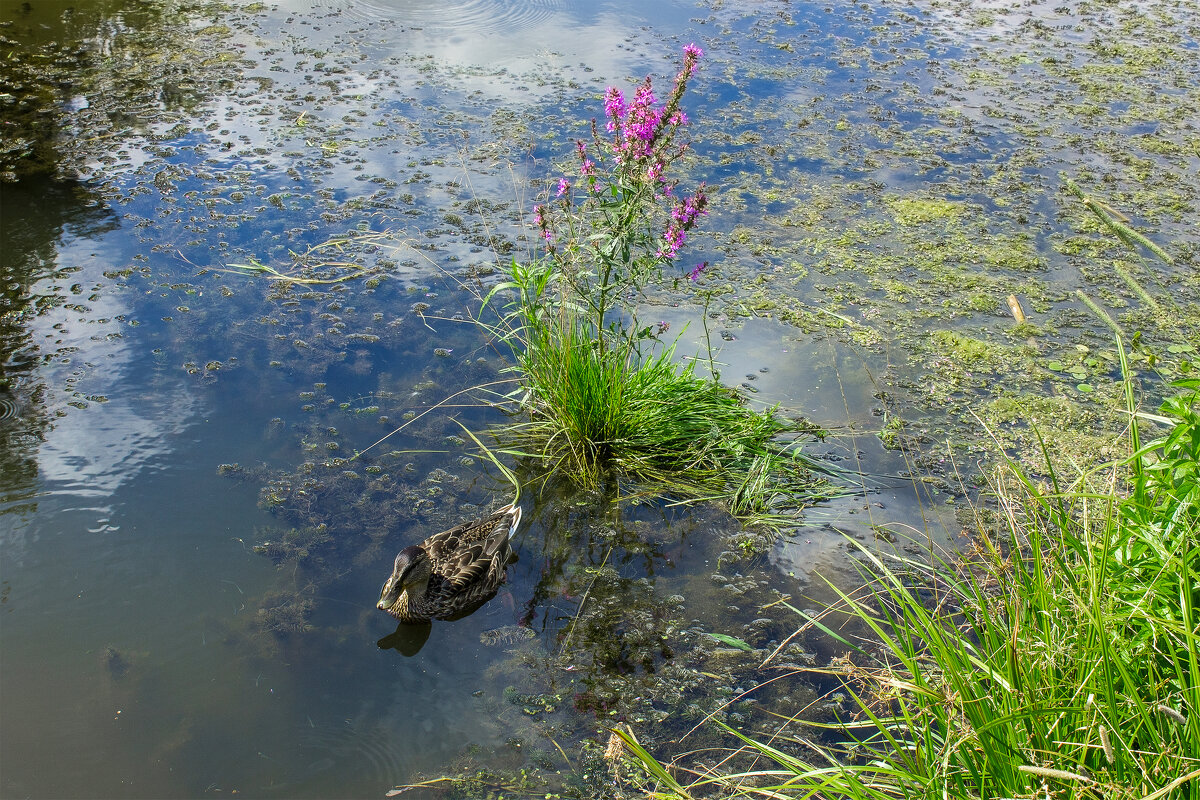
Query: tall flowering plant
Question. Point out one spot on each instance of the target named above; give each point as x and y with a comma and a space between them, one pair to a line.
611, 228
597, 405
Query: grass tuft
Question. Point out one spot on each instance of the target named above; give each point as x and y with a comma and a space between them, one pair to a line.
596, 413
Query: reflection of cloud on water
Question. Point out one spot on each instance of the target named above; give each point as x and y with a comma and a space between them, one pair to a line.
90, 451
532, 36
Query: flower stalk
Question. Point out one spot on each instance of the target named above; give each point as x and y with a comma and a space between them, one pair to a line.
609, 241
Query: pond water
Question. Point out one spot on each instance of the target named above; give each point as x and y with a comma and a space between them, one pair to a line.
190, 560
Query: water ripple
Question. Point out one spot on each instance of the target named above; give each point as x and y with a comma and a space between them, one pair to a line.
373, 753
10, 407
476, 16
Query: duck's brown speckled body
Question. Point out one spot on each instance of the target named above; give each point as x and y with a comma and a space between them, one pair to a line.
453, 572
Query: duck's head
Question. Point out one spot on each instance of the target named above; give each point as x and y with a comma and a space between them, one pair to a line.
410, 575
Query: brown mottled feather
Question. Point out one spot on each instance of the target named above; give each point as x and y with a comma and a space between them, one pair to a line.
467, 565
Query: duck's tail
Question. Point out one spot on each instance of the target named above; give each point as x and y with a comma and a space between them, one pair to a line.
513, 512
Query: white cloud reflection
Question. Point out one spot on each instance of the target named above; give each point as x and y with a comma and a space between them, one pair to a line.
130, 413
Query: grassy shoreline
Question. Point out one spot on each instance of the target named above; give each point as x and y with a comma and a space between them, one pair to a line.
1059, 658
1056, 657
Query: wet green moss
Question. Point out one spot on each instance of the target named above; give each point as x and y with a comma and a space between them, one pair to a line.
913, 211
973, 353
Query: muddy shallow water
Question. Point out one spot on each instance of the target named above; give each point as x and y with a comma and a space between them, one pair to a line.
190, 559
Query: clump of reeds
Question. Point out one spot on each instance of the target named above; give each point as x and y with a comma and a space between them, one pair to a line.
603, 394
596, 411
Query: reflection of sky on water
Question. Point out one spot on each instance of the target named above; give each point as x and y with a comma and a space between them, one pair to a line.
90, 451
128, 424
831, 385
599, 37
386, 83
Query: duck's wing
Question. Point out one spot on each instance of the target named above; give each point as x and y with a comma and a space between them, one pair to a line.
471, 566
481, 561
471, 552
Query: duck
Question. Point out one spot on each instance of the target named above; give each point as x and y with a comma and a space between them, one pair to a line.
451, 573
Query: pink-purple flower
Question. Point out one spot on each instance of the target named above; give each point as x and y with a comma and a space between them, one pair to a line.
673, 239
614, 107
631, 165
543, 223
641, 128
686, 211
683, 219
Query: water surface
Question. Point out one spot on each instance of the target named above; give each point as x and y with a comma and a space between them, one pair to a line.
190, 564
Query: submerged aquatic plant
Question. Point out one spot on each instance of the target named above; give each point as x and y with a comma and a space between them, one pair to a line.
604, 394
323, 264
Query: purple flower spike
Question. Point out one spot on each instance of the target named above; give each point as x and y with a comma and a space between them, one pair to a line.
614, 106
696, 271
691, 60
